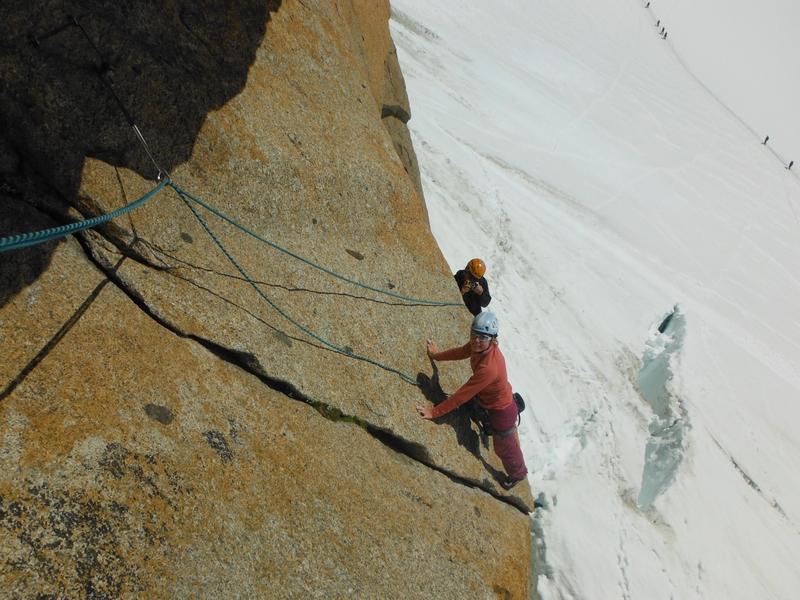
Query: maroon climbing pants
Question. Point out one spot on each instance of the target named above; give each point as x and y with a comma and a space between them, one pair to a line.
507, 446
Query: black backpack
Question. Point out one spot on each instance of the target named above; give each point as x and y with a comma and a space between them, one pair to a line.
520, 405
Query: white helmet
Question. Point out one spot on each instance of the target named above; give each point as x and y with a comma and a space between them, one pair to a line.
486, 323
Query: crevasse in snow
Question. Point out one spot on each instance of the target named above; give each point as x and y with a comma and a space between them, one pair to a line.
664, 451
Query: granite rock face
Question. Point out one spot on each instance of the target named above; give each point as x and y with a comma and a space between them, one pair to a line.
187, 414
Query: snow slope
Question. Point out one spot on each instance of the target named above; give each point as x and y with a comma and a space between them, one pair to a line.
607, 188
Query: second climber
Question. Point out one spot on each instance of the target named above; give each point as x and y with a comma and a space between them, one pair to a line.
473, 286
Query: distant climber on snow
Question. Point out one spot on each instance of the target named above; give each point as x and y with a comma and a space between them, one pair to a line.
473, 286
489, 385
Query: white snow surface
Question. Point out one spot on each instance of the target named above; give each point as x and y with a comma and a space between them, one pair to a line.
608, 179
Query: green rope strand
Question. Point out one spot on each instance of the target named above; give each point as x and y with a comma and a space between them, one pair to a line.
275, 306
184, 194
30, 239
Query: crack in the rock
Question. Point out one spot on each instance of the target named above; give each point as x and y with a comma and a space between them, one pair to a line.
392, 441
249, 363
415, 451
412, 450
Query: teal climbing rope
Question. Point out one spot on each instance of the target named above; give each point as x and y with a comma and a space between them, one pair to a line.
261, 293
184, 194
30, 239
39, 237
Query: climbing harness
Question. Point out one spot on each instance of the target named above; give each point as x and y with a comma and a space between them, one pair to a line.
480, 416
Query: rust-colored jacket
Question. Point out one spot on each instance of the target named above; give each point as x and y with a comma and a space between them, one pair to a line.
489, 380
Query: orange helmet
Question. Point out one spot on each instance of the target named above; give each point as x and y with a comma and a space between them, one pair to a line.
477, 267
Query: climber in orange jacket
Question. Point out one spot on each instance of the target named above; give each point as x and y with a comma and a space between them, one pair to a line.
489, 382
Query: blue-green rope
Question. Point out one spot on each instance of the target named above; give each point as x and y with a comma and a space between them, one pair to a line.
38, 237
184, 194
185, 199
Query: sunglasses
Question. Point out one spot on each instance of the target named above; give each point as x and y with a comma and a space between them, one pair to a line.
481, 337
